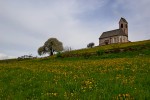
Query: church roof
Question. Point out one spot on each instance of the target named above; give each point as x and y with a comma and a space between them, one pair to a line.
117, 32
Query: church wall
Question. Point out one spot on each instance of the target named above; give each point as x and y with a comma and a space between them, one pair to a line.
124, 39
114, 39
102, 41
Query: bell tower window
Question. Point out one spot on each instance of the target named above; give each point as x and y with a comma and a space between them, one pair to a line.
126, 26
121, 25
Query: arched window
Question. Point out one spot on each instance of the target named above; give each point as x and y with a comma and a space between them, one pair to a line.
123, 39
114, 40
126, 26
120, 40
121, 25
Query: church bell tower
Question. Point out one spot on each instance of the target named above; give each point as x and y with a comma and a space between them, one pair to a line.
123, 24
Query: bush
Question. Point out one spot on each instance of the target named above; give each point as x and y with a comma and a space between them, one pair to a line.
90, 45
59, 55
100, 52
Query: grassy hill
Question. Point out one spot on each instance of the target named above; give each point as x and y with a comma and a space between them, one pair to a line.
118, 71
131, 46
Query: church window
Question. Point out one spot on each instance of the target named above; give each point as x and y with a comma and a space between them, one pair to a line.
114, 40
121, 25
126, 26
124, 39
121, 40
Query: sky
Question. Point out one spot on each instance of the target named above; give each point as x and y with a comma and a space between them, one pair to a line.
26, 24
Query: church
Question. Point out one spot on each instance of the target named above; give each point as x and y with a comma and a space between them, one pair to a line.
115, 36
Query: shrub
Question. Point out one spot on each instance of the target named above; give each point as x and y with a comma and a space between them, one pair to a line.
59, 55
90, 45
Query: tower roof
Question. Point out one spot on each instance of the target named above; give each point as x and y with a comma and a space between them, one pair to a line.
123, 19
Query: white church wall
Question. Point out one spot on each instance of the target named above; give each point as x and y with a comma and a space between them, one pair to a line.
114, 39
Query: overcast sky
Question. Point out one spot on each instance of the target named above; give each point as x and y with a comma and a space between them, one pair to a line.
26, 24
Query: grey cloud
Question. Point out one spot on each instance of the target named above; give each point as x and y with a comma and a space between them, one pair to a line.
26, 24
3, 56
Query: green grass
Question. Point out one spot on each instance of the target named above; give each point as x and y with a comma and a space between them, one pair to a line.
122, 75
112, 46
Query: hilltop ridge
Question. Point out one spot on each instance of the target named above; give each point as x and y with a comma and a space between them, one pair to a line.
112, 48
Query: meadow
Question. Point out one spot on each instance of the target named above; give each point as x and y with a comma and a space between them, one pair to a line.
112, 76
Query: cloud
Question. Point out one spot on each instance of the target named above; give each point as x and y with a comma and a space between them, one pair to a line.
3, 56
136, 12
26, 24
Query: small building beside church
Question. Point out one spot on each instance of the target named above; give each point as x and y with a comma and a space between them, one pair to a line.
115, 36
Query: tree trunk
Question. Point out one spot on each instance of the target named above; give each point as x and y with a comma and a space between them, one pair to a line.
51, 52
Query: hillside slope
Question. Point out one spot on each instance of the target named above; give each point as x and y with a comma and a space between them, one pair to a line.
109, 75
113, 48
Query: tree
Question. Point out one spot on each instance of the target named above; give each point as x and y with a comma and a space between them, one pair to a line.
50, 46
90, 45
41, 50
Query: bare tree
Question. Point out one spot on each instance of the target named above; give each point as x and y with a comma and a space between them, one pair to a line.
67, 48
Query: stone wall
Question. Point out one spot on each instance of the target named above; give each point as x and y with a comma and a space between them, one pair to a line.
114, 39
